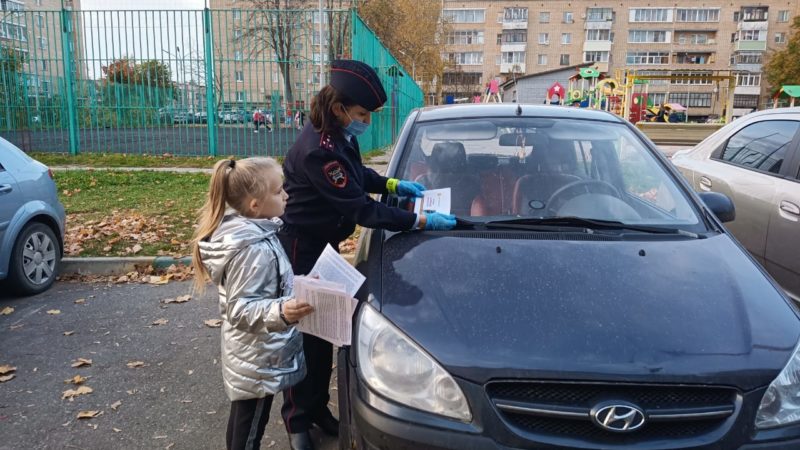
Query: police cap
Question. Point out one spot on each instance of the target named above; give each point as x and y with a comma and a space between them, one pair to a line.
359, 82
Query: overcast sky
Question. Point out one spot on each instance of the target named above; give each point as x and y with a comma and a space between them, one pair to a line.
141, 4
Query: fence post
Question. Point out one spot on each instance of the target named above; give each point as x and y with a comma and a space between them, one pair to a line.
211, 118
66, 45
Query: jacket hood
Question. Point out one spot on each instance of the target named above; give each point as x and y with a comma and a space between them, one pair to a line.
234, 233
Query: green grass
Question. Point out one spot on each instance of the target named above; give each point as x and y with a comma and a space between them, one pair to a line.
164, 204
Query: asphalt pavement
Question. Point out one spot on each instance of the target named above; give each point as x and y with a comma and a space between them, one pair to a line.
174, 400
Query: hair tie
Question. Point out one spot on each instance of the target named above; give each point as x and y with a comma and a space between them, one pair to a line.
232, 164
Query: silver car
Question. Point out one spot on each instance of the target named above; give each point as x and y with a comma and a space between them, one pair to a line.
755, 161
31, 222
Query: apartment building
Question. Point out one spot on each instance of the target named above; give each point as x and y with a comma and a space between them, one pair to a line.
683, 37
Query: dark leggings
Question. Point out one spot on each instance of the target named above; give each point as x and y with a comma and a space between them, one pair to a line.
246, 423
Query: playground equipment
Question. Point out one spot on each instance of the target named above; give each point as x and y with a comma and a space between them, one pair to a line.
792, 91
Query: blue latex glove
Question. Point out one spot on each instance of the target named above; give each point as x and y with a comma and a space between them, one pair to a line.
410, 188
439, 221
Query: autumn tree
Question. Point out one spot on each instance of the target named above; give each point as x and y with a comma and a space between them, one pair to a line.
414, 32
783, 67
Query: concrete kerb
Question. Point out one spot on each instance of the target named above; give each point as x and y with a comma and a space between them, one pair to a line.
107, 266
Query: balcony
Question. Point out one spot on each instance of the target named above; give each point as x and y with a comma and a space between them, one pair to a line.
515, 25
513, 47
751, 46
761, 26
747, 67
604, 25
597, 46
518, 68
747, 90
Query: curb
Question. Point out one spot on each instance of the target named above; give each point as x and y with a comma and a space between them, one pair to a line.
121, 265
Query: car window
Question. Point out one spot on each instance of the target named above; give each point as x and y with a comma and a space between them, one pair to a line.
534, 167
761, 146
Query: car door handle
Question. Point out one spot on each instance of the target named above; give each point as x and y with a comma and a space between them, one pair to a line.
5, 189
705, 183
790, 208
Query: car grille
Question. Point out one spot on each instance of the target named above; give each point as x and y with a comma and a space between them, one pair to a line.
563, 410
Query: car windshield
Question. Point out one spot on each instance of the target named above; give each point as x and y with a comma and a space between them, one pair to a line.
545, 168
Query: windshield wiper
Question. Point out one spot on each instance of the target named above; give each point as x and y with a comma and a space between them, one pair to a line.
589, 225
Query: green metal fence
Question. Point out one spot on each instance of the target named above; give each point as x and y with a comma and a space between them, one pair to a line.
180, 82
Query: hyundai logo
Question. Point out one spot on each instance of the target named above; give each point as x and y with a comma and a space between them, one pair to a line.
619, 417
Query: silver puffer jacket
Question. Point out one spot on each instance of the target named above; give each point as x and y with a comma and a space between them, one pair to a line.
260, 354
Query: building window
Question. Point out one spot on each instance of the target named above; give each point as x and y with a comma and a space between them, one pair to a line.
241, 96
38, 2
748, 79
514, 36
237, 55
754, 13
239, 76
499, 38
544, 17
465, 37
513, 58
465, 15
462, 78
748, 58
598, 35
656, 82
43, 65
697, 78
564, 60
692, 99
656, 98
650, 15
697, 15
647, 36
783, 16
595, 56
736, 16
43, 43
544, 38
466, 58
275, 77
237, 14
299, 85
541, 60
745, 101
752, 35
39, 20
599, 14
515, 15
567, 18
647, 58
693, 58
780, 38
566, 38
237, 34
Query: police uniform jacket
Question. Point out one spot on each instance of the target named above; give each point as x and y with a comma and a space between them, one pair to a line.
328, 190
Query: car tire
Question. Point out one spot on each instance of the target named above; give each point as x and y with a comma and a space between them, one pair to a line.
35, 260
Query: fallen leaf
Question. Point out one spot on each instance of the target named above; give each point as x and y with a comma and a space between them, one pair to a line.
80, 362
136, 249
77, 379
69, 333
135, 364
80, 301
54, 312
181, 299
116, 405
271, 444
6, 311
116, 430
186, 401
190, 372
4, 369
213, 323
5, 378
123, 279
164, 279
211, 412
70, 393
169, 446
159, 437
161, 321
89, 414
66, 423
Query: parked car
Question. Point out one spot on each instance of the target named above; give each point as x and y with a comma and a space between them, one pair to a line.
201, 117
755, 160
31, 222
231, 117
182, 117
587, 298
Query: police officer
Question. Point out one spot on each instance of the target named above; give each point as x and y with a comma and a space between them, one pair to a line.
328, 189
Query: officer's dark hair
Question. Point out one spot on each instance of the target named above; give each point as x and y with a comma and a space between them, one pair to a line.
322, 117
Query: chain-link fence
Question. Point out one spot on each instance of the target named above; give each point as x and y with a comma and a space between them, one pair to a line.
188, 82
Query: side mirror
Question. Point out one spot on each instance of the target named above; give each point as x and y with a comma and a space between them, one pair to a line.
720, 205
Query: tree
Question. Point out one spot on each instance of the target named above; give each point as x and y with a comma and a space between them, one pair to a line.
119, 71
783, 67
275, 26
414, 32
338, 26
153, 73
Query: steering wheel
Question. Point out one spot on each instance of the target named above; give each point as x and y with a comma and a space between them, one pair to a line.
576, 188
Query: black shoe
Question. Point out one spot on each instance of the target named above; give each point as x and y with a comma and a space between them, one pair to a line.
328, 424
300, 441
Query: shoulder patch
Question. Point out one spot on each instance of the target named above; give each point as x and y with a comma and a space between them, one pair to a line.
335, 174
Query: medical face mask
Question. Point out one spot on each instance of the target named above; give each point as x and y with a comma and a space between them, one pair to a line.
356, 127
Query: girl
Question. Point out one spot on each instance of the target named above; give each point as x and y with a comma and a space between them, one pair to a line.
236, 248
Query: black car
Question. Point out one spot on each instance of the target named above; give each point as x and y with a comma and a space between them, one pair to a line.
587, 299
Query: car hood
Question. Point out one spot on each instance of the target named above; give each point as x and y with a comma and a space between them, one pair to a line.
672, 311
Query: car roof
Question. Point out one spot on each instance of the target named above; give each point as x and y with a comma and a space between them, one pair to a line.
775, 111
476, 110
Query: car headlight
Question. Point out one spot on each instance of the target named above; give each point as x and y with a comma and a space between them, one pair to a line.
781, 403
397, 368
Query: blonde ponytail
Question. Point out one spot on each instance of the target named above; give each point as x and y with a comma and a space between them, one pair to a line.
233, 184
